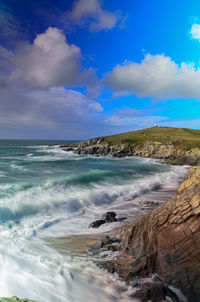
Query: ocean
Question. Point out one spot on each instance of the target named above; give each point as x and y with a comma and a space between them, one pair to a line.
48, 198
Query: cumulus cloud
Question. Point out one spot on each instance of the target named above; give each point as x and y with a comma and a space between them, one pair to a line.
91, 12
50, 61
157, 76
41, 106
195, 31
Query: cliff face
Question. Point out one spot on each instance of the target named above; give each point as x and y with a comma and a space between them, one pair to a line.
165, 242
169, 152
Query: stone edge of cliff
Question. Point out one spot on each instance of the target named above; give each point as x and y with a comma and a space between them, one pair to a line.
165, 242
167, 152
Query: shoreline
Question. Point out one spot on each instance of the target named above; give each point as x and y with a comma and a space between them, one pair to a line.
121, 255
151, 241
90, 245
168, 153
134, 177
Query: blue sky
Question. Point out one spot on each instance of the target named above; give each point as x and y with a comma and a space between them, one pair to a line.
85, 68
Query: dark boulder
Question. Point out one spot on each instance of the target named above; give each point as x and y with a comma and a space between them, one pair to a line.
106, 218
109, 217
97, 223
154, 290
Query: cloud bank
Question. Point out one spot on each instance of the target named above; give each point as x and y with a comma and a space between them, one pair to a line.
157, 76
36, 87
53, 108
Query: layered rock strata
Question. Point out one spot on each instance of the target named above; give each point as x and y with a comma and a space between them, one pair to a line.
169, 152
165, 242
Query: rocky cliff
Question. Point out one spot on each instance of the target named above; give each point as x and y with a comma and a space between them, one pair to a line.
168, 152
165, 242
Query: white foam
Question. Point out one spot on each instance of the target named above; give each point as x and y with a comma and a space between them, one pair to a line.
59, 201
52, 209
32, 269
2, 174
17, 167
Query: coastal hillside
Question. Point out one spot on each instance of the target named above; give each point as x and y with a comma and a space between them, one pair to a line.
183, 138
173, 145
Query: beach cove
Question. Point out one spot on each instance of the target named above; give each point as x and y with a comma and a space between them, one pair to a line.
48, 199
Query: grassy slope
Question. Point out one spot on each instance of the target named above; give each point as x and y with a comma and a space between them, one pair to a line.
184, 138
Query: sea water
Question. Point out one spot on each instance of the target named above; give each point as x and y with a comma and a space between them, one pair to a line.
48, 195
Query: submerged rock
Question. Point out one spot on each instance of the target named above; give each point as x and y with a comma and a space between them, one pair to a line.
106, 218
15, 299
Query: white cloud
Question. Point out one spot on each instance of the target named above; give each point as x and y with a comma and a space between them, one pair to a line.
195, 31
50, 61
157, 76
32, 92
91, 12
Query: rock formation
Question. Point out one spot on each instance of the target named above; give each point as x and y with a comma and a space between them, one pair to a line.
166, 242
165, 151
106, 218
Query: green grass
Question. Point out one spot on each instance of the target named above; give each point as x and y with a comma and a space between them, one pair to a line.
183, 138
15, 299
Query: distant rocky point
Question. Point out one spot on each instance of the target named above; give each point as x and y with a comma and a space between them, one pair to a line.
179, 146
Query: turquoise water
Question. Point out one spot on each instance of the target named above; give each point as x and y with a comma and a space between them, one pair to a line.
46, 192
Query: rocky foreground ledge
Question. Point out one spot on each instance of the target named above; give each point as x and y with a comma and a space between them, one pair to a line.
163, 246
170, 152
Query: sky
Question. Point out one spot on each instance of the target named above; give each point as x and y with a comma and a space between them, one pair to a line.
76, 69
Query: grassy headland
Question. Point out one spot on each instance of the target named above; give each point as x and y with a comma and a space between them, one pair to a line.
179, 146
183, 138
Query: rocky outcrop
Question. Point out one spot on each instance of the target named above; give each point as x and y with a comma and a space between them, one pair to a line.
168, 152
106, 218
154, 290
165, 242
